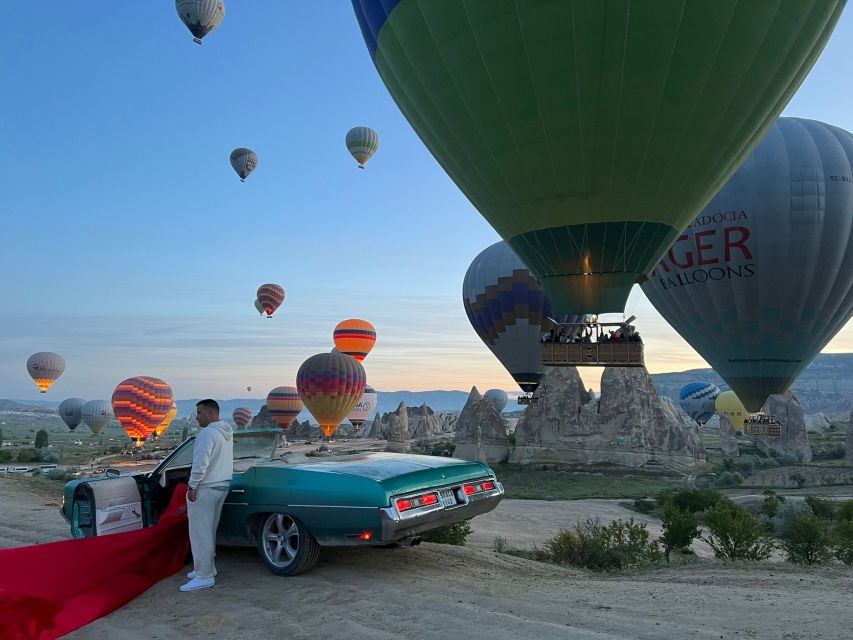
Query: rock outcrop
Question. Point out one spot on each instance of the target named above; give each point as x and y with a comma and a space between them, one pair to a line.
425, 425
396, 428
728, 438
817, 422
480, 431
630, 425
794, 440
263, 420
375, 430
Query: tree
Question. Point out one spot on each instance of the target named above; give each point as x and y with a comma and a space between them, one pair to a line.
806, 540
679, 530
735, 534
41, 439
1, 437
184, 434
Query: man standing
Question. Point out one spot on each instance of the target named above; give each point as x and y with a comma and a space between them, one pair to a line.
210, 478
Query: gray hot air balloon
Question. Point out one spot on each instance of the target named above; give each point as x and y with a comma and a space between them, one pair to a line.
763, 277
44, 368
244, 162
201, 16
508, 309
498, 398
97, 414
69, 411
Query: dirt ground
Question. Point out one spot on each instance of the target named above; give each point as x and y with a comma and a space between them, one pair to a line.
438, 591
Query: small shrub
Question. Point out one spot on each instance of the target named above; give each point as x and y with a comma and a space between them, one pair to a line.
500, 544
734, 534
771, 505
28, 455
806, 540
767, 463
843, 540
591, 545
831, 451
679, 530
745, 465
791, 509
454, 534
788, 460
696, 500
729, 479
59, 476
642, 505
5, 455
844, 511
821, 507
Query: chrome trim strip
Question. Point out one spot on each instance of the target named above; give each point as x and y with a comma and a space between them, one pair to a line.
236, 504
328, 506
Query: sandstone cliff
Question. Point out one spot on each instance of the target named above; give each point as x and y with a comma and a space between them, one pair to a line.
480, 431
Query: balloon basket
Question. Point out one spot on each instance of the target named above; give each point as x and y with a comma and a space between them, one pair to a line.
196, 40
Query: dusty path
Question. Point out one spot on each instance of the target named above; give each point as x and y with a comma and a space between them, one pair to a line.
443, 592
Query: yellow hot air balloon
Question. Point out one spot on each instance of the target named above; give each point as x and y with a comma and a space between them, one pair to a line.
729, 405
166, 421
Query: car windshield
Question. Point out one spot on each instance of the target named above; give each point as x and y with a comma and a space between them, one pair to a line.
260, 445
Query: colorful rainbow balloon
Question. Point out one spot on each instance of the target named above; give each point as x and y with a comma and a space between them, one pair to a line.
242, 416
284, 404
355, 338
270, 297
330, 385
141, 404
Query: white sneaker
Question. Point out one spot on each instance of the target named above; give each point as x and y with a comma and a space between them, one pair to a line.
191, 574
198, 583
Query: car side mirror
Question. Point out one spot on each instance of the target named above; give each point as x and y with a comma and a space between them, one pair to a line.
113, 473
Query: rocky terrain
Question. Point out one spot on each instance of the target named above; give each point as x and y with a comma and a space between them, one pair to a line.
481, 433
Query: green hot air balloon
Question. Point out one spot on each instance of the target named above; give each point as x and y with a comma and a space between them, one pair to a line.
590, 133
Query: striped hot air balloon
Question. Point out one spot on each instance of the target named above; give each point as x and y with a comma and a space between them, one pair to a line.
362, 143
697, 399
244, 162
355, 338
330, 385
44, 368
270, 296
97, 414
69, 411
284, 404
242, 416
141, 404
259, 307
158, 432
201, 16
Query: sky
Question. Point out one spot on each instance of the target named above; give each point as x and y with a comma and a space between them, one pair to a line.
130, 246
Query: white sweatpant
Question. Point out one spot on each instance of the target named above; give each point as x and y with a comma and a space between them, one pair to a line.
203, 515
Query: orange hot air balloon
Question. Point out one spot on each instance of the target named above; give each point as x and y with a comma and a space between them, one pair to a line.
141, 404
284, 404
270, 297
355, 338
330, 385
166, 421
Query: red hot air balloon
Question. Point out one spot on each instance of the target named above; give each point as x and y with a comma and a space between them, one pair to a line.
284, 404
355, 338
330, 385
270, 296
141, 404
242, 416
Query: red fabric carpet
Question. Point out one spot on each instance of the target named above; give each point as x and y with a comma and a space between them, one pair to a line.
48, 590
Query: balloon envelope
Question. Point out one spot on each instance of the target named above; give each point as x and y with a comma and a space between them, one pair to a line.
330, 385
763, 278
284, 404
69, 411
141, 404
201, 16
589, 134
697, 399
498, 398
244, 162
97, 414
270, 296
509, 311
161, 428
354, 338
729, 405
362, 143
44, 368
242, 416
363, 408
259, 307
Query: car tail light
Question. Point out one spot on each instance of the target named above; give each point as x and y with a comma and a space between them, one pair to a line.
423, 500
365, 536
478, 487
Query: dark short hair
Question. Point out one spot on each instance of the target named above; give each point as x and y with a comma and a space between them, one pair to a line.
208, 403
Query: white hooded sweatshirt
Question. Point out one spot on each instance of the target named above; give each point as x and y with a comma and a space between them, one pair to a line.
213, 457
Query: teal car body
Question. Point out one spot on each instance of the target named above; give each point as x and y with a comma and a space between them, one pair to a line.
291, 509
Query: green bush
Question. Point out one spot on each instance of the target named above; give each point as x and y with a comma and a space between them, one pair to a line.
59, 476
695, 500
734, 534
591, 545
679, 529
830, 451
644, 506
791, 509
771, 505
844, 511
821, 507
729, 479
500, 544
28, 455
454, 534
843, 540
745, 465
5, 455
806, 540
788, 460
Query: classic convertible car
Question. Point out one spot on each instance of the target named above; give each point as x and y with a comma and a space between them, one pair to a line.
291, 509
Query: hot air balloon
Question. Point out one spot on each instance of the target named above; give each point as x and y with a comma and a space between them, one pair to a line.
97, 414
355, 338
330, 385
697, 399
141, 404
362, 143
729, 405
249, 389
763, 278
244, 162
498, 398
201, 16
589, 134
69, 411
509, 311
45, 367
284, 404
161, 428
259, 307
363, 408
242, 416
270, 296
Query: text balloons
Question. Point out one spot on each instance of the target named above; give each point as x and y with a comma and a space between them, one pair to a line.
200, 16
141, 404
729, 405
44, 368
270, 296
330, 385
284, 404
97, 414
69, 411
363, 408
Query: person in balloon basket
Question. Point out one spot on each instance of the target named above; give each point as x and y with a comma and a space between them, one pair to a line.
210, 478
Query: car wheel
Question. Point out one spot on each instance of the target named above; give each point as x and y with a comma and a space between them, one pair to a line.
286, 545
